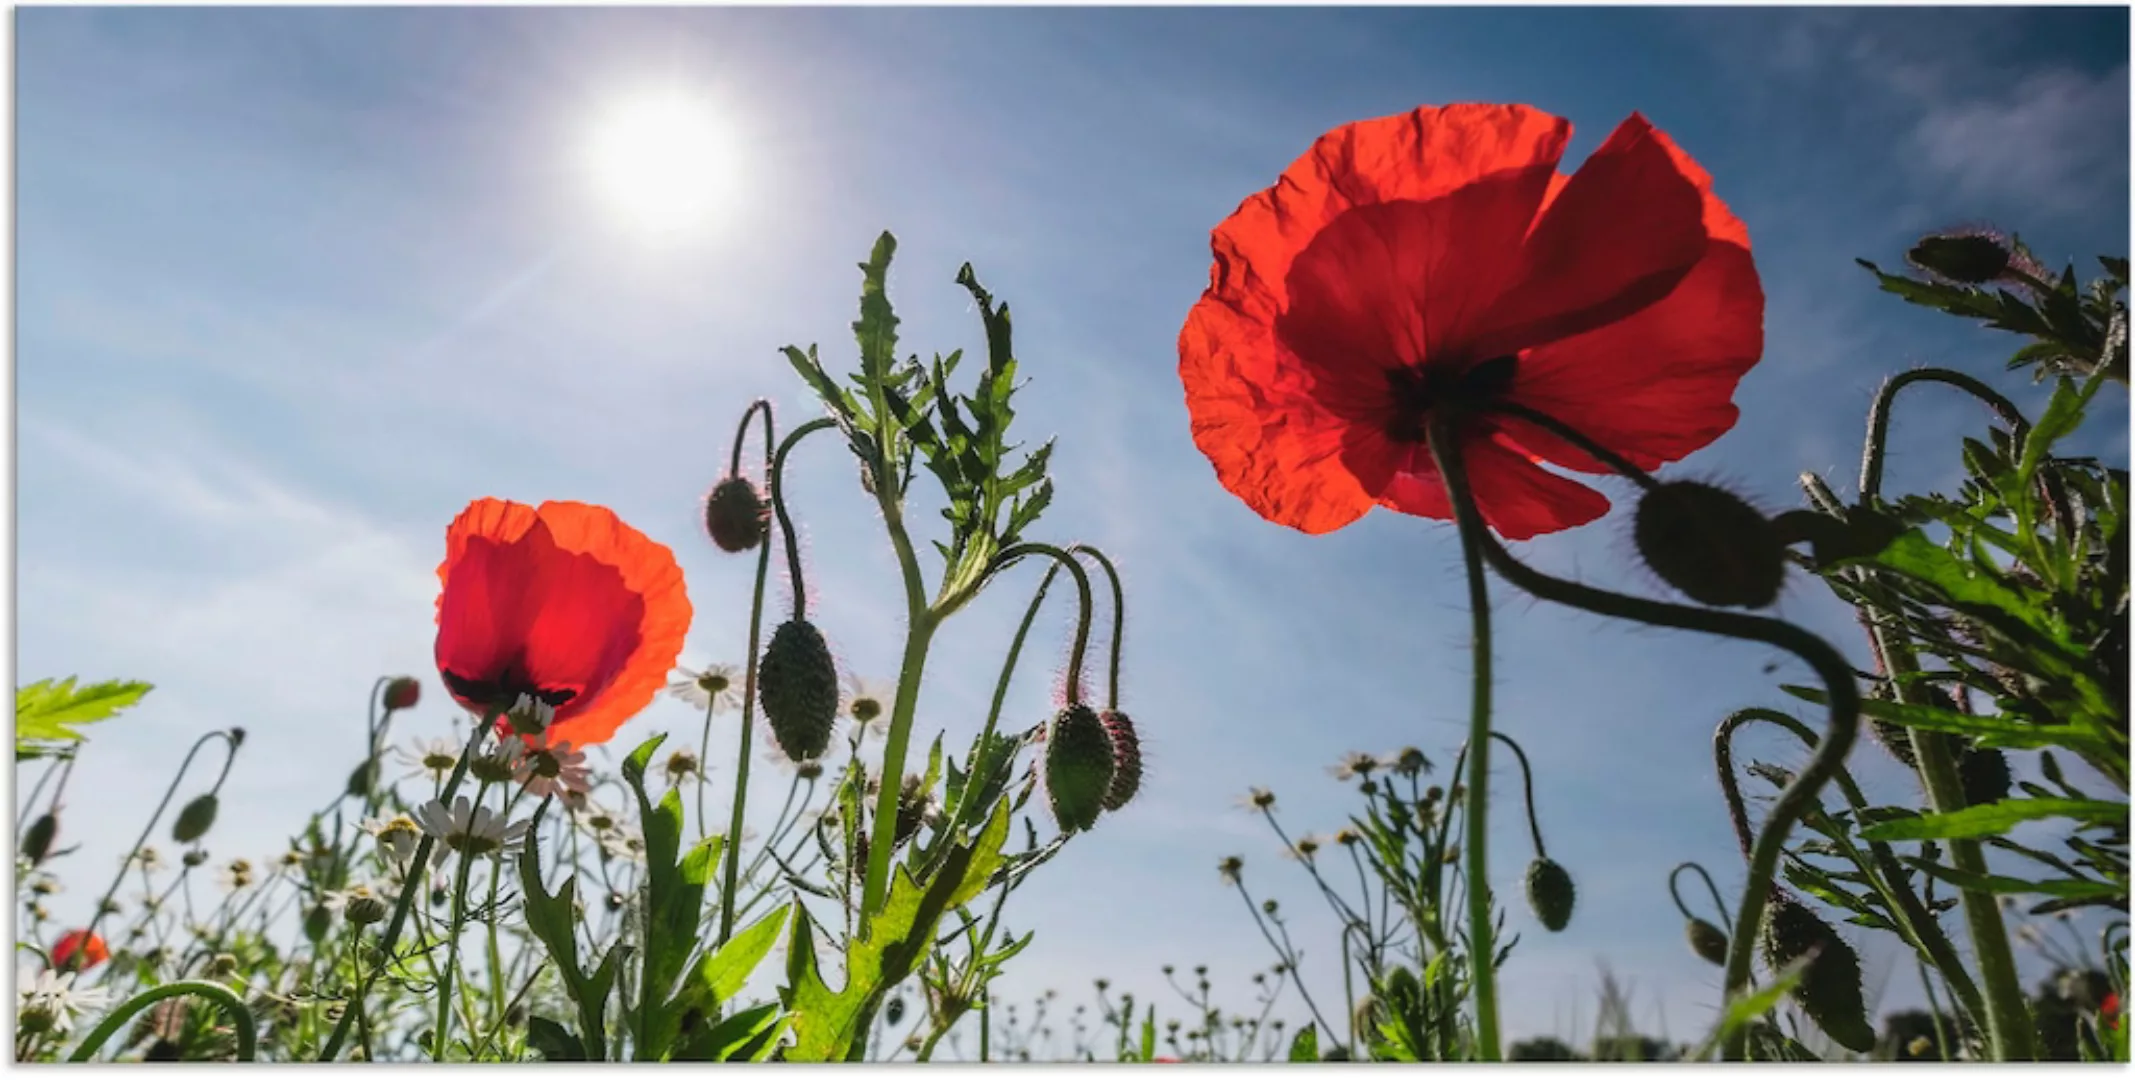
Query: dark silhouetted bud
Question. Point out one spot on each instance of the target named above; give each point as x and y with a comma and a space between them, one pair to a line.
797, 684
1126, 758
1830, 988
1078, 766
402, 693
736, 515
37, 842
196, 819
1550, 893
1708, 543
365, 910
1967, 258
1985, 774
316, 922
1708, 941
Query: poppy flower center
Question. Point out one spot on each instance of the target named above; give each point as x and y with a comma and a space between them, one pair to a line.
1417, 389
504, 690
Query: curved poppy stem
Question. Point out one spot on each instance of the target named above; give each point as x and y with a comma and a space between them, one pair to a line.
104, 905
1718, 904
741, 434
1482, 949
1527, 779
1915, 924
1008, 671
1119, 618
1841, 693
1879, 416
1080, 649
756, 610
231, 1006
730, 878
778, 504
418, 864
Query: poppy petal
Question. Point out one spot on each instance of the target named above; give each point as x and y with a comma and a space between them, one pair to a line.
1257, 404
1660, 384
1517, 498
649, 571
1615, 238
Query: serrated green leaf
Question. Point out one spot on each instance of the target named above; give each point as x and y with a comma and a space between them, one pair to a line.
1993, 819
1305, 1045
555, 1042
47, 712
723, 972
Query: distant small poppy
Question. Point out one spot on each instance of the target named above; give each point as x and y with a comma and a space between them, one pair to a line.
2110, 1009
564, 603
79, 950
1437, 261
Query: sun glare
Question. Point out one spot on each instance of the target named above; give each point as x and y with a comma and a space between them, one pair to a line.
662, 163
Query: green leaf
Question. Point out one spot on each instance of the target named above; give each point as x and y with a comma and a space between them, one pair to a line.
2066, 888
555, 1042
2063, 414
1993, 819
749, 1035
1306, 1045
634, 765
1149, 1035
555, 924
47, 712
1748, 1008
1991, 731
876, 329
723, 972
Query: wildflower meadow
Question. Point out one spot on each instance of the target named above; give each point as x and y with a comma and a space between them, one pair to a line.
1447, 323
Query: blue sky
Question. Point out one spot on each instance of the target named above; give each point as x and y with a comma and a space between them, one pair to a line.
293, 286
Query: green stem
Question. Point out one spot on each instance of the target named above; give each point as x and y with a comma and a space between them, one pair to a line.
104, 904
909, 671
1879, 416
741, 760
229, 1003
452, 956
1119, 618
1527, 782
1800, 796
1717, 903
1481, 949
413, 884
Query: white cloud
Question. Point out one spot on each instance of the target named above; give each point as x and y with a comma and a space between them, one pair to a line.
2048, 141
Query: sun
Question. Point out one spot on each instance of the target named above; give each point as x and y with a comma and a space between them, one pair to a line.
662, 162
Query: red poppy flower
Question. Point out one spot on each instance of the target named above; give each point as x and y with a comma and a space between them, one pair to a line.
79, 947
1438, 260
2110, 1009
563, 602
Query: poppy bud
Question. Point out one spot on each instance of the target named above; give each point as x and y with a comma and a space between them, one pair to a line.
37, 842
1708, 941
402, 693
365, 910
316, 922
1985, 775
1895, 738
736, 515
1078, 766
1550, 893
1709, 544
79, 950
1830, 988
1126, 758
1961, 258
894, 1011
196, 819
797, 684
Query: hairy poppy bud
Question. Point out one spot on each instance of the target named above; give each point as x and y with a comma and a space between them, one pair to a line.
1972, 258
196, 819
1550, 893
736, 515
1895, 738
1709, 544
37, 842
1126, 758
365, 910
797, 684
1985, 775
316, 922
1830, 988
1708, 941
1079, 766
402, 693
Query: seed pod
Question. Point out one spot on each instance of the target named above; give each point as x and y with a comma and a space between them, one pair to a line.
402, 693
1550, 893
196, 819
1708, 941
1830, 989
1078, 766
797, 684
1708, 543
1126, 758
736, 515
1985, 775
37, 842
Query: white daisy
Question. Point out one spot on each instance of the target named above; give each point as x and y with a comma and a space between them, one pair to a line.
50, 1003
499, 763
555, 770
623, 843
434, 758
716, 688
397, 837
147, 858
237, 875
596, 818
868, 702
468, 829
530, 716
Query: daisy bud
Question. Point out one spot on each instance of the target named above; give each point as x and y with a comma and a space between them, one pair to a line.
196, 819
365, 910
1708, 941
681, 763
194, 858
1709, 544
1126, 758
797, 683
1830, 989
1550, 893
222, 966
1969, 258
736, 515
402, 693
1078, 766
37, 843
1985, 774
